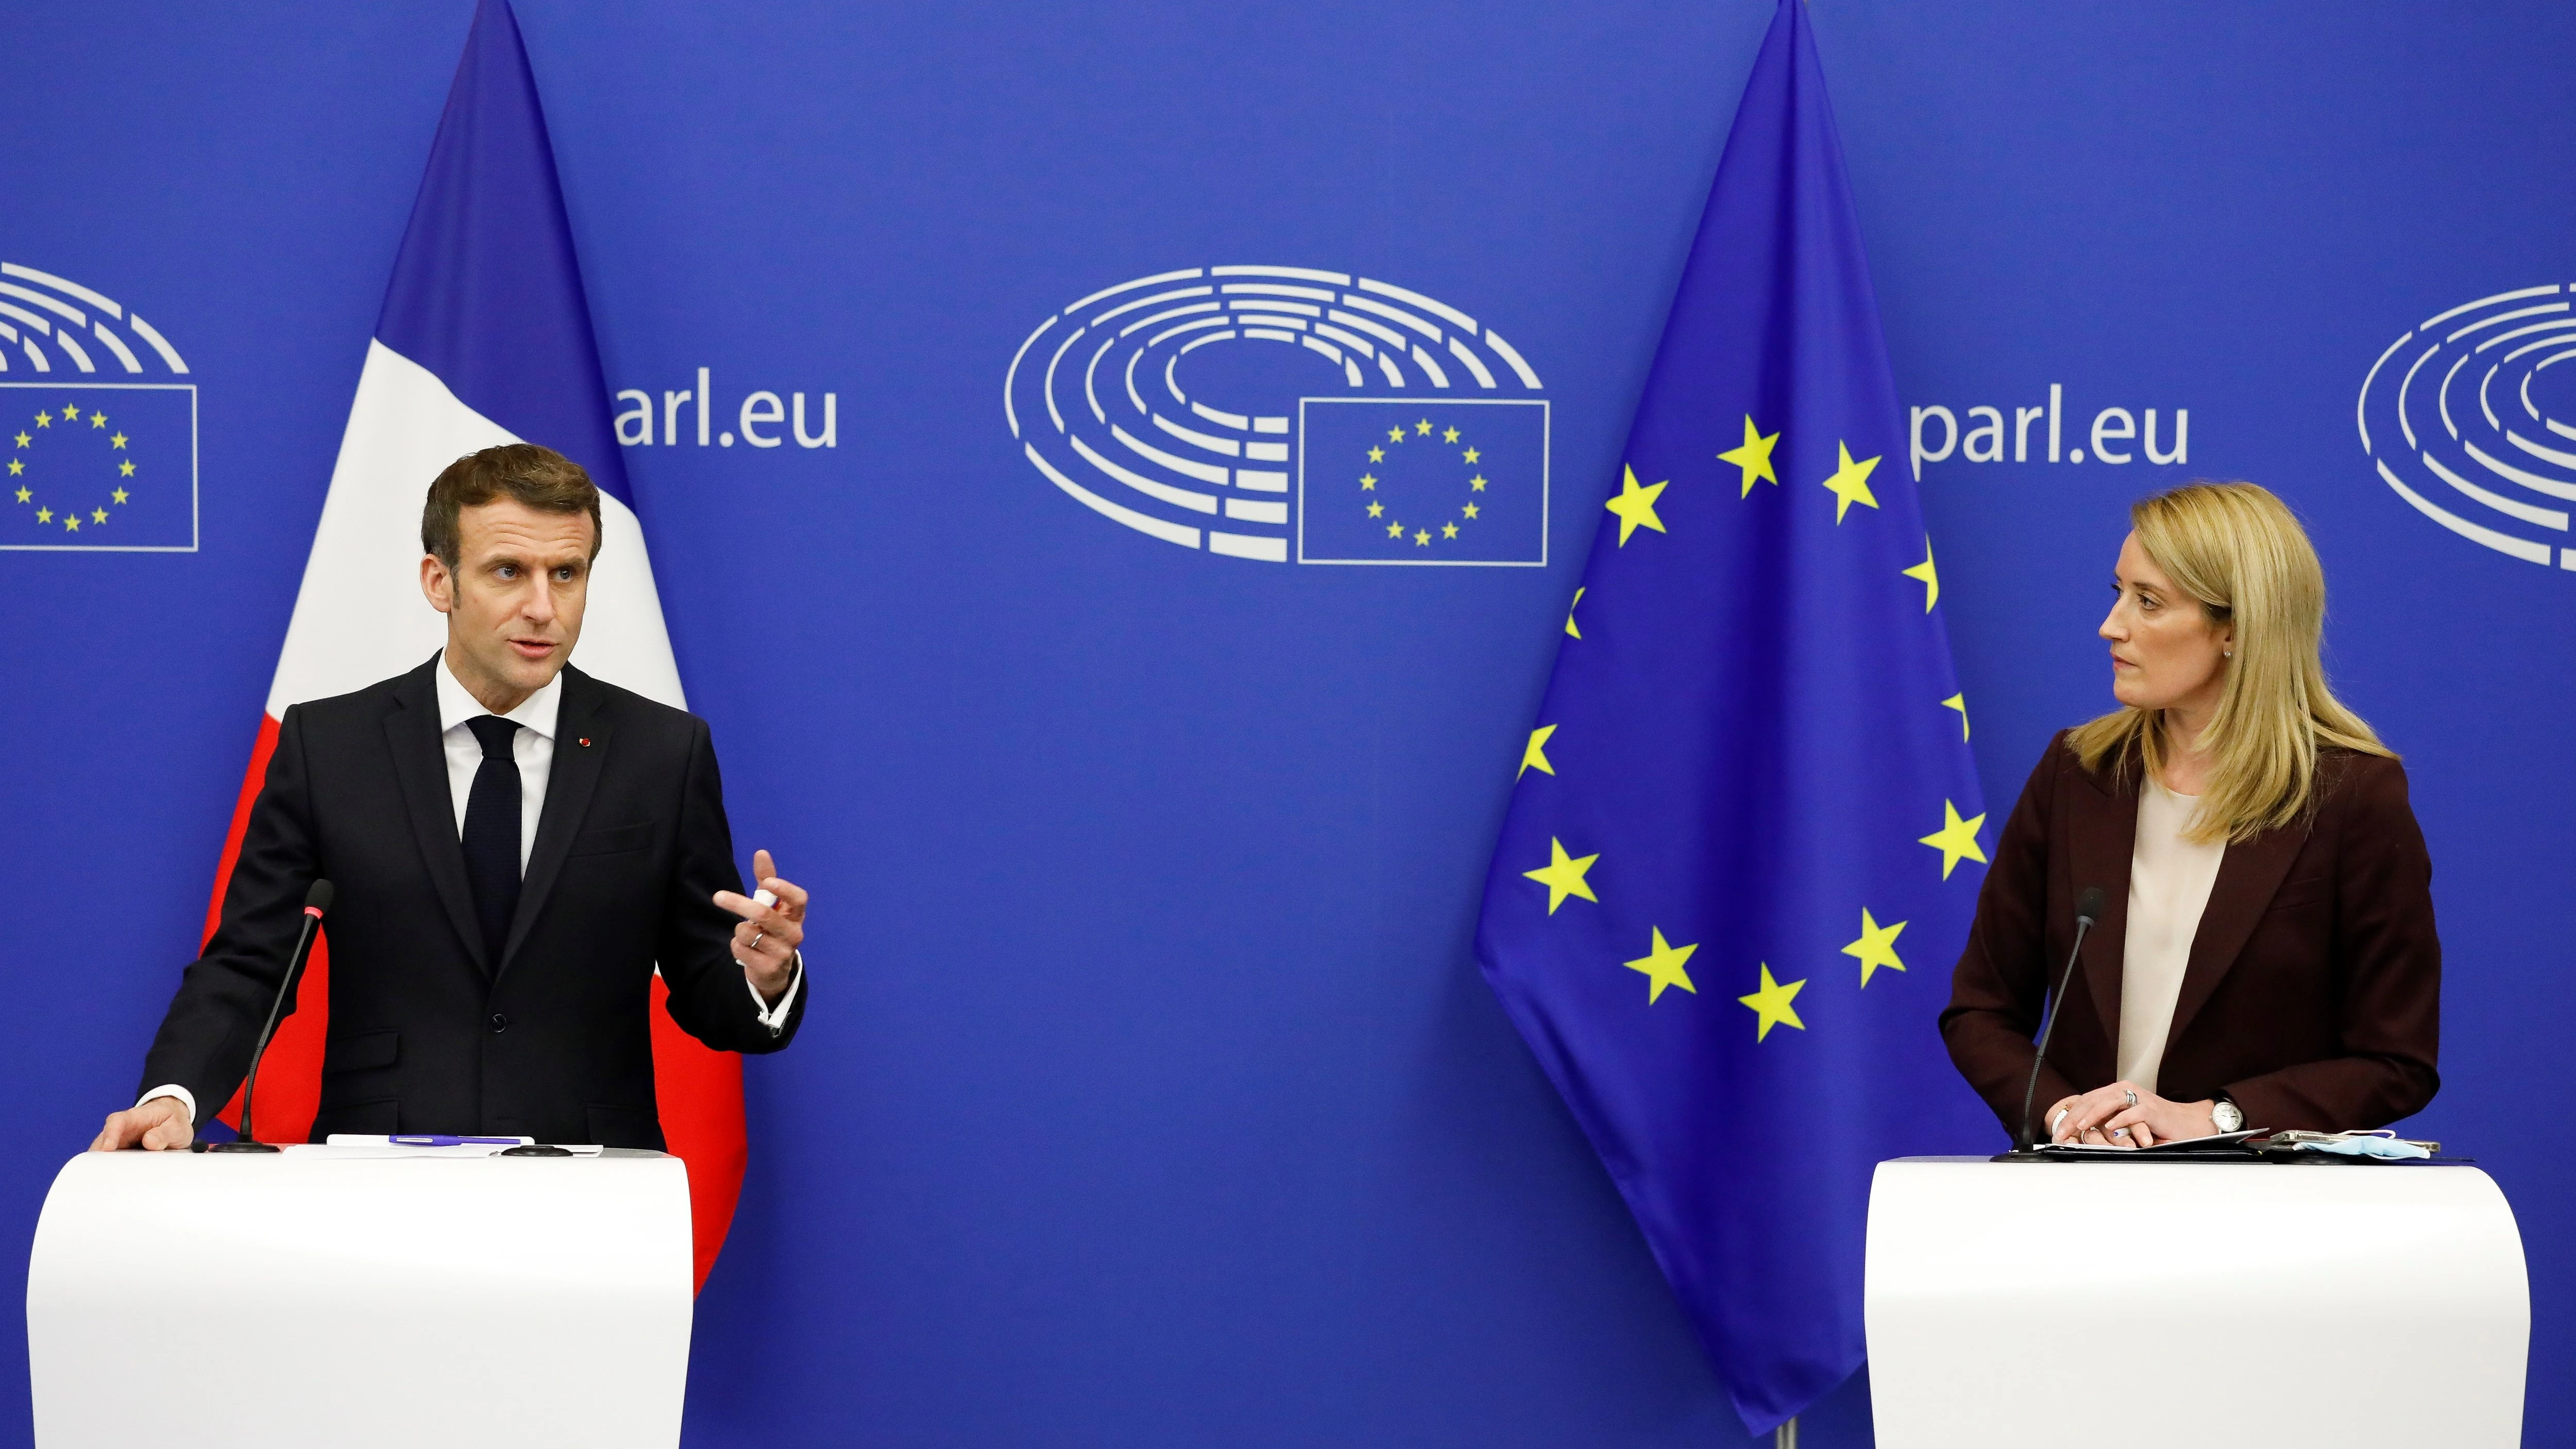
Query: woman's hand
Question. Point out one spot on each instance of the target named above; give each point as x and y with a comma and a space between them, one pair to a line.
2069, 1122
2124, 1114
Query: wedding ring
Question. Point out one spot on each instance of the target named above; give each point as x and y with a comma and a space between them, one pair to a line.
755, 940
2132, 1096
2119, 1131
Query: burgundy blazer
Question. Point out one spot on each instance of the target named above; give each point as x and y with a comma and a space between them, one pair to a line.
2313, 994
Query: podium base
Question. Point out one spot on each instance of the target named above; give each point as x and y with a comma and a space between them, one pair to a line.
1979, 1281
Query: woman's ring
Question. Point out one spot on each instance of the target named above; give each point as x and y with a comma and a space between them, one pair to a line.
2119, 1131
2132, 1095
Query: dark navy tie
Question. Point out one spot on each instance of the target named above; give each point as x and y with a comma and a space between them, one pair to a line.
491, 837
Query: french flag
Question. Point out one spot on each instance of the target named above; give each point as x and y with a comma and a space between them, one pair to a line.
485, 339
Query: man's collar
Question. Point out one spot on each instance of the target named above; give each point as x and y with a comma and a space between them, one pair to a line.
456, 704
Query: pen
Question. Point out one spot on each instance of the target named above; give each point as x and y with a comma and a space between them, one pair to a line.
432, 1139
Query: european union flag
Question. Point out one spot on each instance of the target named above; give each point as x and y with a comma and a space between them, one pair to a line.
100, 466
1428, 480
1743, 849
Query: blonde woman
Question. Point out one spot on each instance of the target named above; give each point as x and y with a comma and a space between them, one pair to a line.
2267, 956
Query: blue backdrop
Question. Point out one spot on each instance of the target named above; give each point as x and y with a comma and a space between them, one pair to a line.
1150, 1094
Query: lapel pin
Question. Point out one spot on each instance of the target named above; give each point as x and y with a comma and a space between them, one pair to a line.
585, 744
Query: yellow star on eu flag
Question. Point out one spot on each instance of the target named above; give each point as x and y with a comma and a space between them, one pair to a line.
1876, 946
1956, 839
1753, 456
1928, 576
1662, 965
71, 412
24, 495
1563, 875
118, 495
1636, 506
1959, 702
1534, 753
1850, 483
1395, 435
1572, 632
16, 467
1771, 1004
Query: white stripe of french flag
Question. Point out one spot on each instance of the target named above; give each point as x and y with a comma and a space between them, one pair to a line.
485, 339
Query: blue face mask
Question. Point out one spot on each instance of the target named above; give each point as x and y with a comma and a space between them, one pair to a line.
2367, 1146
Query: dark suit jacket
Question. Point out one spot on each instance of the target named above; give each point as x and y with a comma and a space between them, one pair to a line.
2313, 993
552, 1041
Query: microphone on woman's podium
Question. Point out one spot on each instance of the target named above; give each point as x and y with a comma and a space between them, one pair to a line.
316, 901
2088, 909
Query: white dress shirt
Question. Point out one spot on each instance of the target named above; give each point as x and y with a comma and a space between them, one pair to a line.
2169, 883
533, 746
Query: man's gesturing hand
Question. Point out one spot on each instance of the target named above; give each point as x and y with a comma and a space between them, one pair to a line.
766, 941
160, 1125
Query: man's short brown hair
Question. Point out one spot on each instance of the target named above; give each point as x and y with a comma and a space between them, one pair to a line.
540, 478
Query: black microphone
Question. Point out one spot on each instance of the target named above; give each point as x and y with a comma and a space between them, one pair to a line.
2088, 909
316, 901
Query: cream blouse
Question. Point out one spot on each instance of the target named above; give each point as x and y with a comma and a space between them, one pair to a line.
2169, 882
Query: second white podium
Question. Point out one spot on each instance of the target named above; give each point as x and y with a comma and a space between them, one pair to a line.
323, 1296
2112, 1305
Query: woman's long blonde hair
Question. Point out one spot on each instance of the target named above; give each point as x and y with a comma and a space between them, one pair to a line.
2241, 553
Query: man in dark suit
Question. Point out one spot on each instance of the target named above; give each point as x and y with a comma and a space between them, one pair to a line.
515, 846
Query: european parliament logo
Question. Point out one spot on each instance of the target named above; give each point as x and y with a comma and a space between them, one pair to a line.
1134, 403
91, 465
2470, 418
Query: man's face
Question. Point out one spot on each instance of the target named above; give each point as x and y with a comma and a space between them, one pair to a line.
513, 603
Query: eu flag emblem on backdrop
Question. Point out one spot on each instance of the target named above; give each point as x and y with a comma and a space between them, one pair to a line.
1744, 846
106, 466
1430, 480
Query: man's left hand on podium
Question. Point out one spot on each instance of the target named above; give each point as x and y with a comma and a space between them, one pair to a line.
767, 940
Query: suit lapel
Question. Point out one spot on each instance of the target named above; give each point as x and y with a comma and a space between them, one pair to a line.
2105, 831
581, 748
420, 764
2249, 875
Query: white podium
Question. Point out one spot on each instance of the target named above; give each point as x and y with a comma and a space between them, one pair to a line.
325, 1296
2324, 1305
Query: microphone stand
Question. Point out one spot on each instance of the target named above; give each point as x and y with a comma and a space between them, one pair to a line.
316, 901
2088, 908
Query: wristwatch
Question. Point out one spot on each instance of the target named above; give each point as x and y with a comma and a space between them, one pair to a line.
2226, 1116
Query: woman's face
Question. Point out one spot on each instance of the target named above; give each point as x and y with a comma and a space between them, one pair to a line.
2166, 652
